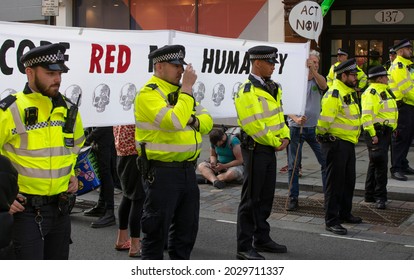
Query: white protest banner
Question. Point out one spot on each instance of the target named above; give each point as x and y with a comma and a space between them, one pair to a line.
306, 19
109, 66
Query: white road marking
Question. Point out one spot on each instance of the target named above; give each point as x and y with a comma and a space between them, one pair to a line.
350, 238
224, 221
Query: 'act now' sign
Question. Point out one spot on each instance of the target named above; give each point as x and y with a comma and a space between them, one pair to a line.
306, 19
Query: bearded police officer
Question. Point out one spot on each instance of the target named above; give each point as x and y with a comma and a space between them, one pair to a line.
41, 133
260, 115
402, 85
379, 119
338, 130
169, 126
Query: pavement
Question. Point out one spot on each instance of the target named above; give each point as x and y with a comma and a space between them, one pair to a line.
222, 204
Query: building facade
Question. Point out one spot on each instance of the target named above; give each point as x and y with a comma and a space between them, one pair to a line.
366, 28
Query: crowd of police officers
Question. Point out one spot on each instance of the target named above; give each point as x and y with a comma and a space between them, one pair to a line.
42, 133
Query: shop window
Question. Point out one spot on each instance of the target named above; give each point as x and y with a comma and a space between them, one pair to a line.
109, 14
225, 18
338, 17
335, 45
368, 53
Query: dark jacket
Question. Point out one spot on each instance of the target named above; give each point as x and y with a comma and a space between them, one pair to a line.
8, 193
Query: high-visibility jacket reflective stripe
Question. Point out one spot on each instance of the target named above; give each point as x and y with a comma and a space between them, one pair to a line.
164, 128
260, 115
377, 110
401, 80
338, 118
37, 151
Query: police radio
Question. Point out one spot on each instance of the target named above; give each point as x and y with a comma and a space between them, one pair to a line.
71, 117
70, 124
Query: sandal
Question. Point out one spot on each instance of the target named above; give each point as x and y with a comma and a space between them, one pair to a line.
137, 254
122, 247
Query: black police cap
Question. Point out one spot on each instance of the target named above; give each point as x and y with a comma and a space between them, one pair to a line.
402, 44
49, 56
174, 54
377, 71
266, 53
348, 65
342, 51
391, 50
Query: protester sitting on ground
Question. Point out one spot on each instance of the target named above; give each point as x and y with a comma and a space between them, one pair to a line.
226, 161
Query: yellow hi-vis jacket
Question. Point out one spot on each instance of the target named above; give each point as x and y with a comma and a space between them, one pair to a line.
38, 151
260, 115
402, 79
378, 106
331, 75
361, 77
340, 114
164, 127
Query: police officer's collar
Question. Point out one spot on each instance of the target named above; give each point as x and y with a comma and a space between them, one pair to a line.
256, 81
57, 101
258, 78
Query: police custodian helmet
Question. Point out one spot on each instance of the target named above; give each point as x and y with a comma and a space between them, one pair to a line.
50, 57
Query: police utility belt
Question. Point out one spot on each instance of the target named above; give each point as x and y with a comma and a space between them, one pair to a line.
325, 138
39, 200
65, 201
145, 166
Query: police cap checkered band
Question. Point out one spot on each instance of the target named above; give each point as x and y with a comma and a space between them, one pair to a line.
342, 51
392, 50
171, 53
347, 66
377, 71
263, 53
49, 56
403, 44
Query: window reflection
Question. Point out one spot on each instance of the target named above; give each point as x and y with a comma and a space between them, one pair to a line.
224, 18
368, 53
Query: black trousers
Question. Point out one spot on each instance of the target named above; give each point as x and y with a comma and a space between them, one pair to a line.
27, 238
172, 206
402, 138
106, 155
256, 202
340, 179
377, 174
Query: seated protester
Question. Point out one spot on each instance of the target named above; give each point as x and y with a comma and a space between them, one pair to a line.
226, 161
8, 193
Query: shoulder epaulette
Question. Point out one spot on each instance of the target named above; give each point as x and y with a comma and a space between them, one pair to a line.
335, 93
373, 91
152, 86
7, 101
400, 65
247, 87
